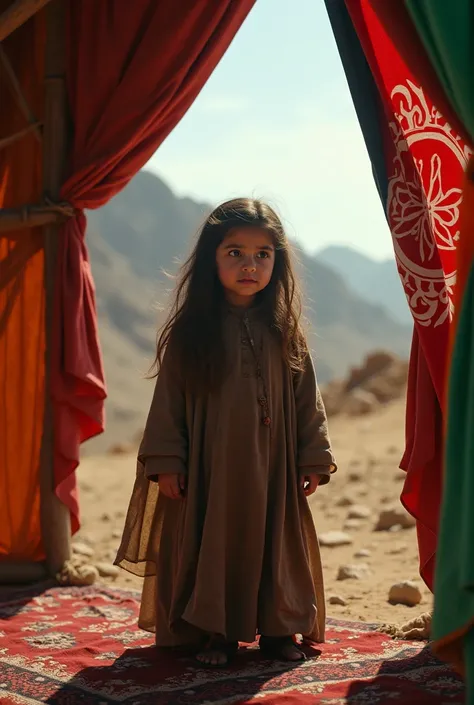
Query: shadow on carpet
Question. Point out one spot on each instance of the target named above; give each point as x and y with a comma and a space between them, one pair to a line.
81, 646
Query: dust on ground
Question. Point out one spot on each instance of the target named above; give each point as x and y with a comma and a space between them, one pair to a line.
368, 438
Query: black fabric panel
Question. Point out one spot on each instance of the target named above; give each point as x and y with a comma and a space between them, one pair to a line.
363, 90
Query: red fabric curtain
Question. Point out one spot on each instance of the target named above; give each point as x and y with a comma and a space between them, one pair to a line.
423, 457
134, 69
22, 321
425, 158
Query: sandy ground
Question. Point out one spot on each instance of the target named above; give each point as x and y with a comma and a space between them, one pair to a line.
368, 450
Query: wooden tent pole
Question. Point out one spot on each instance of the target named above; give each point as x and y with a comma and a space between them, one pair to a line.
17, 14
55, 520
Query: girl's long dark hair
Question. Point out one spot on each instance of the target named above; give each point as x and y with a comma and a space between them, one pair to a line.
193, 330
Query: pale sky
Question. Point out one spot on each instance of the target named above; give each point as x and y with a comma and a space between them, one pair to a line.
276, 121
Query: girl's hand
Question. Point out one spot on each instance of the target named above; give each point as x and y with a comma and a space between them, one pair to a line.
309, 483
172, 486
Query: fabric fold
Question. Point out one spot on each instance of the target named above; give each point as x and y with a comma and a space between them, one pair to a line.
130, 82
407, 118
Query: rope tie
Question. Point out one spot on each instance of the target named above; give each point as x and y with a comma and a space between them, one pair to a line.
62, 208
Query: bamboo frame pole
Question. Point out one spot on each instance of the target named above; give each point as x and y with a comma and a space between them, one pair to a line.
17, 14
55, 520
33, 216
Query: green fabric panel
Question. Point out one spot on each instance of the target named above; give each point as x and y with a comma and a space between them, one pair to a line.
454, 578
469, 662
446, 28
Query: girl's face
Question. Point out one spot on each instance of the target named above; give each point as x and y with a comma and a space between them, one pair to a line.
245, 260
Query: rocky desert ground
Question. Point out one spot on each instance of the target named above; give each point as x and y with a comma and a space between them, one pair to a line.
368, 542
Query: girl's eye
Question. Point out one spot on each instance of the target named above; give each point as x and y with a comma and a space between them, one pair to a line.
263, 255
234, 253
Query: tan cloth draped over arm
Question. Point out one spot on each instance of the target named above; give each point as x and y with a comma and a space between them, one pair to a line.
314, 447
164, 448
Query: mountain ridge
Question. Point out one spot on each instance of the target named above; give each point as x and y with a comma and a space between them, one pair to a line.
369, 278
142, 234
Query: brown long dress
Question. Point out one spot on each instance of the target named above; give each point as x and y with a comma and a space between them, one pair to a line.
239, 554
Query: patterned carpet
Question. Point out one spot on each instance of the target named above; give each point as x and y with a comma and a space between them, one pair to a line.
81, 646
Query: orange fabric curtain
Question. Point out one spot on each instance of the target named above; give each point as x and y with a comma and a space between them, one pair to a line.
21, 304
134, 68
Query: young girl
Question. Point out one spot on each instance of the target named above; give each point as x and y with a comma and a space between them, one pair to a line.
236, 439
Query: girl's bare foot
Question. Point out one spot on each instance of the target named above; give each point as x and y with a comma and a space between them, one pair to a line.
217, 653
281, 648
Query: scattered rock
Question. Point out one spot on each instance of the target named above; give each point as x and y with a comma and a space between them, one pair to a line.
405, 593
362, 553
395, 528
116, 534
85, 486
392, 450
345, 501
82, 549
352, 524
107, 570
355, 476
121, 448
337, 600
353, 571
333, 539
374, 364
381, 378
105, 517
358, 511
359, 402
391, 516
400, 476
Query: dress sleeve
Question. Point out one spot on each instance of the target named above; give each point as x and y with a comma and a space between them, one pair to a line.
314, 447
164, 447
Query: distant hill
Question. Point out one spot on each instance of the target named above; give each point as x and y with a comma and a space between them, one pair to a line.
372, 280
143, 233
